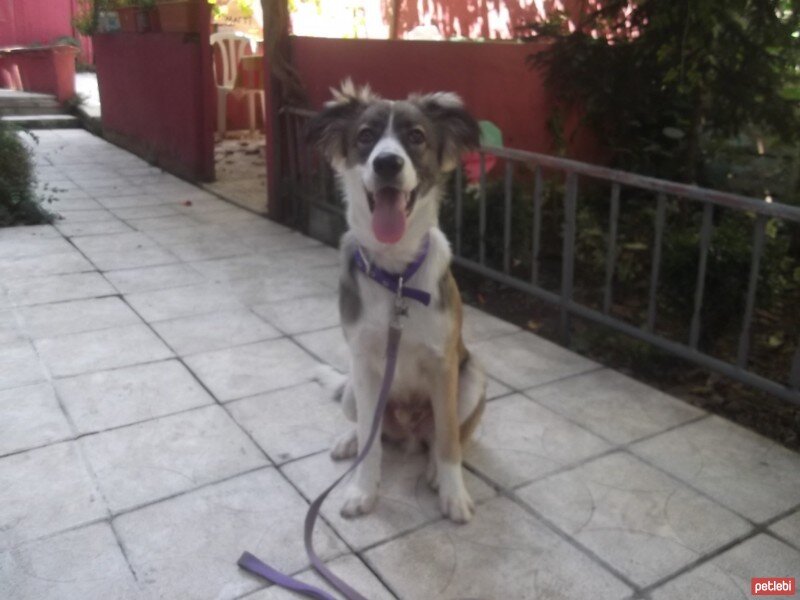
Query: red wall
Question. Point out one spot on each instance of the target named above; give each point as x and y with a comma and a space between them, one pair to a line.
158, 98
489, 19
24, 22
491, 77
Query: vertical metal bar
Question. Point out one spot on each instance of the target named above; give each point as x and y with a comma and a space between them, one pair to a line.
568, 253
794, 371
611, 257
699, 288
507, 222
661, 213
459, 207
482, 214
537, 224
755, 266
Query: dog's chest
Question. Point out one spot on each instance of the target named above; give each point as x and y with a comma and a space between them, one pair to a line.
425, 328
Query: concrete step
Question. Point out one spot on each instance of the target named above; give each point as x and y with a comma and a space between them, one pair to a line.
25, 110
43, 121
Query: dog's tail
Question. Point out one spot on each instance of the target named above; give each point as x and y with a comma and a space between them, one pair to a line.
331, 380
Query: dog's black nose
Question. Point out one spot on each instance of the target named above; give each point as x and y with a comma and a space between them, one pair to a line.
387, 165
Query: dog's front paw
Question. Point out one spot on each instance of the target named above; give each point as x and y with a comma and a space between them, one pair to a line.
358, 502
346, 446
431, 473
458, 506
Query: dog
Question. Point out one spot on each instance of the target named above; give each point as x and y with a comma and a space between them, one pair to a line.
391, 159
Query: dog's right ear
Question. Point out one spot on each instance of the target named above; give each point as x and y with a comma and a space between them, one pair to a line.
328, 129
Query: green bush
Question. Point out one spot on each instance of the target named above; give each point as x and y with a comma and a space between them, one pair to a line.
19, 202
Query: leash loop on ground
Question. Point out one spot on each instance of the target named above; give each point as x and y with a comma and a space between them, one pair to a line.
250, 563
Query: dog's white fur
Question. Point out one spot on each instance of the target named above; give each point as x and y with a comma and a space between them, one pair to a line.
426, 332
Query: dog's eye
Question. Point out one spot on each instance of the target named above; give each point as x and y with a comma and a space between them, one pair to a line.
416, 136
365, 136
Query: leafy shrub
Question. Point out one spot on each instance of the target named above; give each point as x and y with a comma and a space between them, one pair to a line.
19, 203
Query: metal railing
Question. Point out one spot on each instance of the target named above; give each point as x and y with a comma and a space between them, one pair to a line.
309, 182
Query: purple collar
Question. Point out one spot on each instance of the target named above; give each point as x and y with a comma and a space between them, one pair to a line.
396, 282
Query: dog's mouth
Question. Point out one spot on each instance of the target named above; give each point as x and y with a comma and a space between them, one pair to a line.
390, 209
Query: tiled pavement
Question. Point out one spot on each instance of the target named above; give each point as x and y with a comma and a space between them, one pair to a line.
157, 417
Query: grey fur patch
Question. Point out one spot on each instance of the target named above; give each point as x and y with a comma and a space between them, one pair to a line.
349, 297
339, 392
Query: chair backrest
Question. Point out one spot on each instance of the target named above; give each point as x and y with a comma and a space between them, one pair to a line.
232, 47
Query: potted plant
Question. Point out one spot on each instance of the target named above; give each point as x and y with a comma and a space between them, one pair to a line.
179, 16
134, 15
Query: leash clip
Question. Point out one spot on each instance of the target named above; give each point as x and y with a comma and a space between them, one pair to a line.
400, 304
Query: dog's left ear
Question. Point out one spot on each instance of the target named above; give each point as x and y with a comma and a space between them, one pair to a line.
328, 129
458, 130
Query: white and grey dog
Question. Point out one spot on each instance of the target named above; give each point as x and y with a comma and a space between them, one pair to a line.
391, 158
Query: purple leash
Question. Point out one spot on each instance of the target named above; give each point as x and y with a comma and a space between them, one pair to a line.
394, 283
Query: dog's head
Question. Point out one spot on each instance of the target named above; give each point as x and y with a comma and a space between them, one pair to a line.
391, 157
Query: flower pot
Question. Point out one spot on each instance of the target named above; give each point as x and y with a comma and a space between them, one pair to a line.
127, 18
108, 21
179, 16
144, 20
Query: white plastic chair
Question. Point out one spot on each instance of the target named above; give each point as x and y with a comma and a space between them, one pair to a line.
232, 47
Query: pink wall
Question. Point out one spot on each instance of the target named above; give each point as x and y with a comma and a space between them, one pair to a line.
490, 19
158, 99
491, 77
24, 22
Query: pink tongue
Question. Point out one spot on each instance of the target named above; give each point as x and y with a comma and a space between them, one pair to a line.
389, 215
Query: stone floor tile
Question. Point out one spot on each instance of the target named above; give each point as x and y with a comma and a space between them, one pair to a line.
106, 399
187, 547
123, 251
301, 315
248, 370
503, 553
495, 389
44, 491
71, 230
77, 203
149, 461
161, 222
209, 249
98, 350
109, 198
193, 234
349, 568
71, 261
292, 422
613, 406
73, 217
277, 287
479, 326
81, 564
57, 288
248, 266
11, 329
184, 301
278, 241
789, 529
518, 441
19, 365
642, 522
145, 211
147, 279
214, 331
27, 232
51, 320
18, 247
305, 258
31, 417
740, 469
727, 576
523, 360
329, 345
406, 500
